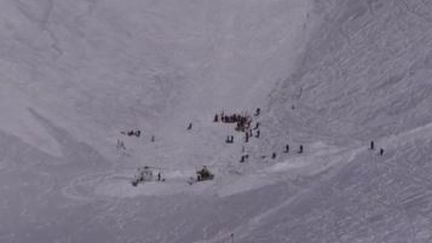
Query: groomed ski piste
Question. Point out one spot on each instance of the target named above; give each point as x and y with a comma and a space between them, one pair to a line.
80, 78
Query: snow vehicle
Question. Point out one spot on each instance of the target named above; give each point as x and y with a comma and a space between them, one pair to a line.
202, 175
144, 174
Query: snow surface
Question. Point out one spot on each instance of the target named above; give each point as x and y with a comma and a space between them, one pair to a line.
330, 75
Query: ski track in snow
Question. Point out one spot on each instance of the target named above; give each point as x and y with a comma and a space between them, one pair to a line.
115, 183
352, 70
345, 158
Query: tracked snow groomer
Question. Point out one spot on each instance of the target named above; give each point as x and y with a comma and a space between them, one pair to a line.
144, 174
202, 175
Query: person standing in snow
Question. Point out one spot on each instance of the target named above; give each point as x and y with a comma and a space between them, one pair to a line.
372, 145
189, 126
301, 149
257, 112
138, 133
286, 148
381, 151
256, 126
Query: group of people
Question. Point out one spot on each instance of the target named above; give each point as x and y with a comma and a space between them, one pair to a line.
372, 147
130, 133
120, 145
244, 157
146, 174
229, 139
243, 122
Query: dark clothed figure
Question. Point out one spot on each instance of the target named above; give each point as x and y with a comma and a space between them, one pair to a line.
301, 149
286, 148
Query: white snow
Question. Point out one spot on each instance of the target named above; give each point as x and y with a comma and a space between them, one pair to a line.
329, 75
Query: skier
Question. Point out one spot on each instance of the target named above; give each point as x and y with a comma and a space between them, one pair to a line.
286, 148
216, 118
190, 126
381, 151
301, 149
138, 133
159, 176
242, 160
372, 145
274, 156
153, 138
246, 137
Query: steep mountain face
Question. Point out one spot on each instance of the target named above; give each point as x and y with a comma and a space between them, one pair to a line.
365, 74
97, 67
330, 75
76, 74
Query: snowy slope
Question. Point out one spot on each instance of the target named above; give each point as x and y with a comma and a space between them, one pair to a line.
331, 75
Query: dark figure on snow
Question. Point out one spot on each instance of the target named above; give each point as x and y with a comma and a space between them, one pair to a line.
257, 134
301, 149
216, 118
189, 126
256, 126
372, 145
159, 176
286, 148
274, 156
257, 112
242, 159
381, 151
246, 137
138, 133
131, 133
153, 138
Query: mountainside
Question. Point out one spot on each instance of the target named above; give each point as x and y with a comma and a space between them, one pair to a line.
326, 76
